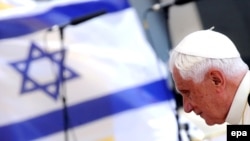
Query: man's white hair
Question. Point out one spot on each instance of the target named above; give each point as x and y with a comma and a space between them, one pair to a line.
195, 68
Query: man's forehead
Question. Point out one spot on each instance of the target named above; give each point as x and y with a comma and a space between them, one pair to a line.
177, 76
180, 83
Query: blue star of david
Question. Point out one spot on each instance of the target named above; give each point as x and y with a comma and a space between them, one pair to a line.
35, 54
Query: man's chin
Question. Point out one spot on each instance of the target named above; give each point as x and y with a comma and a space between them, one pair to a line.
211, 123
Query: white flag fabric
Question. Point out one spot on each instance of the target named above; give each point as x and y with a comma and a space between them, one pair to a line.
14, 3
115, 87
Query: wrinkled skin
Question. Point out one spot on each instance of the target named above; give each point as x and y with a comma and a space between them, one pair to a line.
210, 99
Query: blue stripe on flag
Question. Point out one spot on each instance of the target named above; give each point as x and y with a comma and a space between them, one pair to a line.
57, 15
87, 111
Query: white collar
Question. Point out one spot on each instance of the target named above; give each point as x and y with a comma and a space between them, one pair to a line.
238, 105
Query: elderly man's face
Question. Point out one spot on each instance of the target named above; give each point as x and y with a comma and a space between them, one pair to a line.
203, 98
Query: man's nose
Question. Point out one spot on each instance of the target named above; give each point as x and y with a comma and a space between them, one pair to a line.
187, 106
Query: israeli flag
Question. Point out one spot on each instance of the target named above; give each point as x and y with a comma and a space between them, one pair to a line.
103, 83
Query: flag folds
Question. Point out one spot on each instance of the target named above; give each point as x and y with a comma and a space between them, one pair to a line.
104, 83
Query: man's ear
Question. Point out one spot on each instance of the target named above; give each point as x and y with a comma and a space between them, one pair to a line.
217, 78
